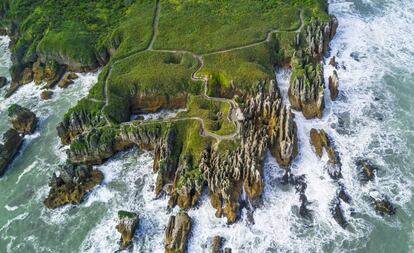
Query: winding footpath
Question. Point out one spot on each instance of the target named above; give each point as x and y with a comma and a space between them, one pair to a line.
235, 114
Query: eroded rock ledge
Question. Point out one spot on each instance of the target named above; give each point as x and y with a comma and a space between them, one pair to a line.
71, 184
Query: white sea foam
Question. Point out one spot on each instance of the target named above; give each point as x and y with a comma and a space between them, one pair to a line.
26, 170
11, 208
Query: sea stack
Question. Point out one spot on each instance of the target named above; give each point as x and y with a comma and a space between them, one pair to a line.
23, 120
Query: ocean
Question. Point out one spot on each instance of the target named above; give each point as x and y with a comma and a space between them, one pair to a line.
373, 118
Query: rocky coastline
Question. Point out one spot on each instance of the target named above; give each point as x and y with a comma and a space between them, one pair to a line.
231, 171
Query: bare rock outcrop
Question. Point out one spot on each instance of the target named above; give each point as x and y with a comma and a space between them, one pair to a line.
10, 145
306, 89
127, 224
217, 244
71, 184
46, 94
334, 85
177, 233
22, 119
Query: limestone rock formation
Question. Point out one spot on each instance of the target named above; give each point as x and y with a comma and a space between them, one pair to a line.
177, 232
3, 81
46, 94
287, 144
71, 184
306, 88
67, 79
217, 244
318, 35
22, 119
11, 144
127, 224
334, 85
337, 213
320, 140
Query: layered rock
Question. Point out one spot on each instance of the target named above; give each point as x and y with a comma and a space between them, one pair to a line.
127, 224
265, 125
10, 145
382, 204
71, 184
320, 141
22, 119
334, 85
306, 88
67, 79
46, 94
177, 233
317, 35
3, 81
49, 72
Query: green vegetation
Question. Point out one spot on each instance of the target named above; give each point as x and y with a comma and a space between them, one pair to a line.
102, 139
149, 74
237, 72
126, 214
213, 113
206, 26
73, 31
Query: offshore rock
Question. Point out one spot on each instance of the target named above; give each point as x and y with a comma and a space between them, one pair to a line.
382, 204
67, 79
217, 244
334, 85
127, 224
3, 81
367, 170
306, 88
76, 123
46, 94
71, 184
176, 233
320, 140
318, 35
11, 144
23, 120
337, 213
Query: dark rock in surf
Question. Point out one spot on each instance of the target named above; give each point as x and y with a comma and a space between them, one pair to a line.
127, 224
334, 85
11, 144
23, 120
177, 232
337, 213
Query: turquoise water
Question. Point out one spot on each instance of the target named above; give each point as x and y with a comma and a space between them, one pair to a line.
373, 118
